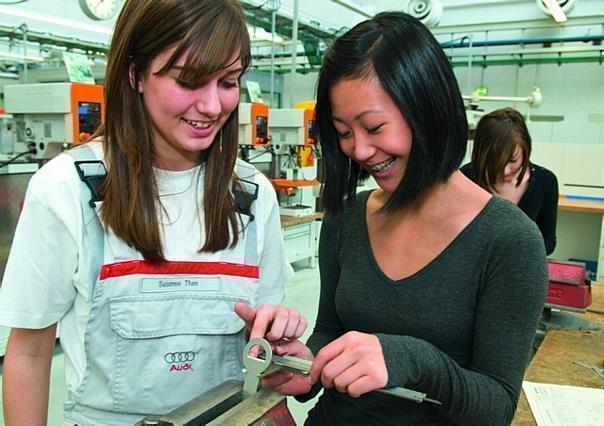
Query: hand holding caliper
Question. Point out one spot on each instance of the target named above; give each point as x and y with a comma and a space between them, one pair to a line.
268, 362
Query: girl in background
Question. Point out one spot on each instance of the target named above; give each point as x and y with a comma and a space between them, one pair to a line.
501, 165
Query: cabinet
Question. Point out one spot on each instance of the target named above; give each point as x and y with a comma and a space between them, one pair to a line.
300, 238
580, 231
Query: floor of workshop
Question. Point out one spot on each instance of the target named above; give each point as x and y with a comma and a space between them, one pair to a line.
302, 292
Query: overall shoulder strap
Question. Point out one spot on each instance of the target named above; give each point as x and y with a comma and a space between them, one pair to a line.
91, 171
245, 189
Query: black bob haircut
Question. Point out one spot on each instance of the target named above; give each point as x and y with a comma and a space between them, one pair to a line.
412, 68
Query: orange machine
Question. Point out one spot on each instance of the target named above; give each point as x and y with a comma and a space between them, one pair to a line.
253, 124
88, 106
310, 126
309, 120
50, 115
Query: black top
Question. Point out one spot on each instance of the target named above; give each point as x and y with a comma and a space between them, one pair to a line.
459, 330
539, 202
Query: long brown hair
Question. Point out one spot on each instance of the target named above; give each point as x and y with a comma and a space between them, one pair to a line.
209, 32
495, 140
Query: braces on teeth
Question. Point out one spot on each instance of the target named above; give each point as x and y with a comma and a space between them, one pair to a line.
383, 166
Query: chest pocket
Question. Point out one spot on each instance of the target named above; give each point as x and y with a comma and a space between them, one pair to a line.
182, 345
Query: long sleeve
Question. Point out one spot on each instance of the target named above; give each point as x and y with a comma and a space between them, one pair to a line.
460, 329
507, 310
327, 326
548, 215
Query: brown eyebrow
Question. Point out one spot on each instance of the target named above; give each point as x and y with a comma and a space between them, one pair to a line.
228, 73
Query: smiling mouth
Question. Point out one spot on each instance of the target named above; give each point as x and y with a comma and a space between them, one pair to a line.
383, 166
198, 124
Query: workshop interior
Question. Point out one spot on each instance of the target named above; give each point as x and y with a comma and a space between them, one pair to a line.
544, 58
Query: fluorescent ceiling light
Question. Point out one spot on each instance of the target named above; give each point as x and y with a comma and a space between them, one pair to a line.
18, 56
555, 9
19, 13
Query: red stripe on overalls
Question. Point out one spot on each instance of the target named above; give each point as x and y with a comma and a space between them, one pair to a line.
133, 267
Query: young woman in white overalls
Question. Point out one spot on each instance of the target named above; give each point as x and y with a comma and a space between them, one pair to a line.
155, 268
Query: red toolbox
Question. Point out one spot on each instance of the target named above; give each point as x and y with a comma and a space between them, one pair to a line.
568, 285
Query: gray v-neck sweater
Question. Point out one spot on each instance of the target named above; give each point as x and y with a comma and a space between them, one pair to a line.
459, 330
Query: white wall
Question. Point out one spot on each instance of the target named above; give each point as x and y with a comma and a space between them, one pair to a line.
572, 148
298, 88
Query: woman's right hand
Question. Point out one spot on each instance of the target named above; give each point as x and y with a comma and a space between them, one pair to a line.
353, 364
287, 382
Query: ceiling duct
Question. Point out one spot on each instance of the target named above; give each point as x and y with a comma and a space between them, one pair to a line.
428, 12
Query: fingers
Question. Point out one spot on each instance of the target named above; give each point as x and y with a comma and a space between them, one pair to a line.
293, 348
245, 312
326, 355
287, 383
361, 386
259, 325
277, 379
353, 364
276, 322
272, 322
355, 382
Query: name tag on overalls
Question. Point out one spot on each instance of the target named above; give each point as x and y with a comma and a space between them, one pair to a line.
168, 284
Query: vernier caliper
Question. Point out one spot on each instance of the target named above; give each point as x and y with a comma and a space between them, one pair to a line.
256, 367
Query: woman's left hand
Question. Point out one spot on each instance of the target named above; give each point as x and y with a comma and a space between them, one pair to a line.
271, 322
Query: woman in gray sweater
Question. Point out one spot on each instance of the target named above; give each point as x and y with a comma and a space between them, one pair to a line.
429, 282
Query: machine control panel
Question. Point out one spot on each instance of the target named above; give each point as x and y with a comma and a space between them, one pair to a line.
254, 124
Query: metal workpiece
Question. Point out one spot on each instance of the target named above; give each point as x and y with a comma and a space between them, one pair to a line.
255, 367
267, 363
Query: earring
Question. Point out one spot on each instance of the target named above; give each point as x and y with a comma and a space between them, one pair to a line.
220, 142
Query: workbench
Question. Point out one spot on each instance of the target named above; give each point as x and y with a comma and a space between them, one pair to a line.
580, 231
300, 235
553, 362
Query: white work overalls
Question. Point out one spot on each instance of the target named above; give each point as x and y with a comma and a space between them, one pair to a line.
159, 335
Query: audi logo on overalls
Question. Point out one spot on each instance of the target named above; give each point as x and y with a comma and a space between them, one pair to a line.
180, 361
172, 357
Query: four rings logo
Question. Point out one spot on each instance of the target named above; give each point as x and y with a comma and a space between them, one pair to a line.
172, 357
180, 361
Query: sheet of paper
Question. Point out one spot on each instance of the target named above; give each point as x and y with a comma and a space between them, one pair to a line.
557, 405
